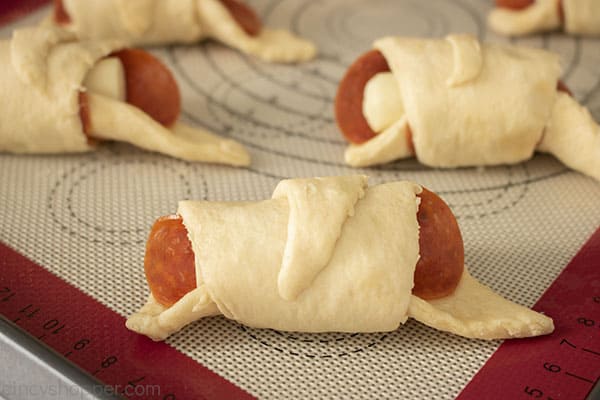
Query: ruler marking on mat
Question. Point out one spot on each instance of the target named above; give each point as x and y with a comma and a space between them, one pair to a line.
95, 338
563, 365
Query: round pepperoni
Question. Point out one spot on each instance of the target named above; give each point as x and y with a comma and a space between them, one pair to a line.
441, 261
350, 94
514, 4
169, 261
245, 17
61, 16
150, 86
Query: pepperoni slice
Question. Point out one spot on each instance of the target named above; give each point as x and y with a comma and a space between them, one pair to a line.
61, 16
522, 4
561, 87
169, 262
150, 86
245, 17
441, 264
350, 94
514, 4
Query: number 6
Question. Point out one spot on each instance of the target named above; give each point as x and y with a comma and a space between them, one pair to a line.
534, 392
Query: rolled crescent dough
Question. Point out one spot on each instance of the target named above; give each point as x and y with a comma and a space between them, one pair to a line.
581, 17
44, 70
472, 104
253, 266
467, 103
154, 22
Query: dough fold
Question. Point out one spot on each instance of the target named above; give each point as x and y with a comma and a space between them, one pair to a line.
43, 70
391, 144
573, 137
365, 285
116, 120
157, 22
467, 59
318, 210
475, 311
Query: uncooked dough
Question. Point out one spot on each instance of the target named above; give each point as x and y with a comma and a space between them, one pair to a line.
46, 69
468, 104
157, 22
249, 255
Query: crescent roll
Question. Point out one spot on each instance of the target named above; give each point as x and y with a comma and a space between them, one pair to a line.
323, 254
154, 22
579, 17
64, 95
456, 102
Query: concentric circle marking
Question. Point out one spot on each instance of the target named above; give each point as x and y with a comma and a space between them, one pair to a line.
315, 345
131, 189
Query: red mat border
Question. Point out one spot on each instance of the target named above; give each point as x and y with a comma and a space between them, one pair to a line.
95, 338
36, 300
21, 296
11, 10
563, 365
206, 385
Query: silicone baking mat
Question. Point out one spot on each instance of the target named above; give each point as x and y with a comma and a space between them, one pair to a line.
74, 226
